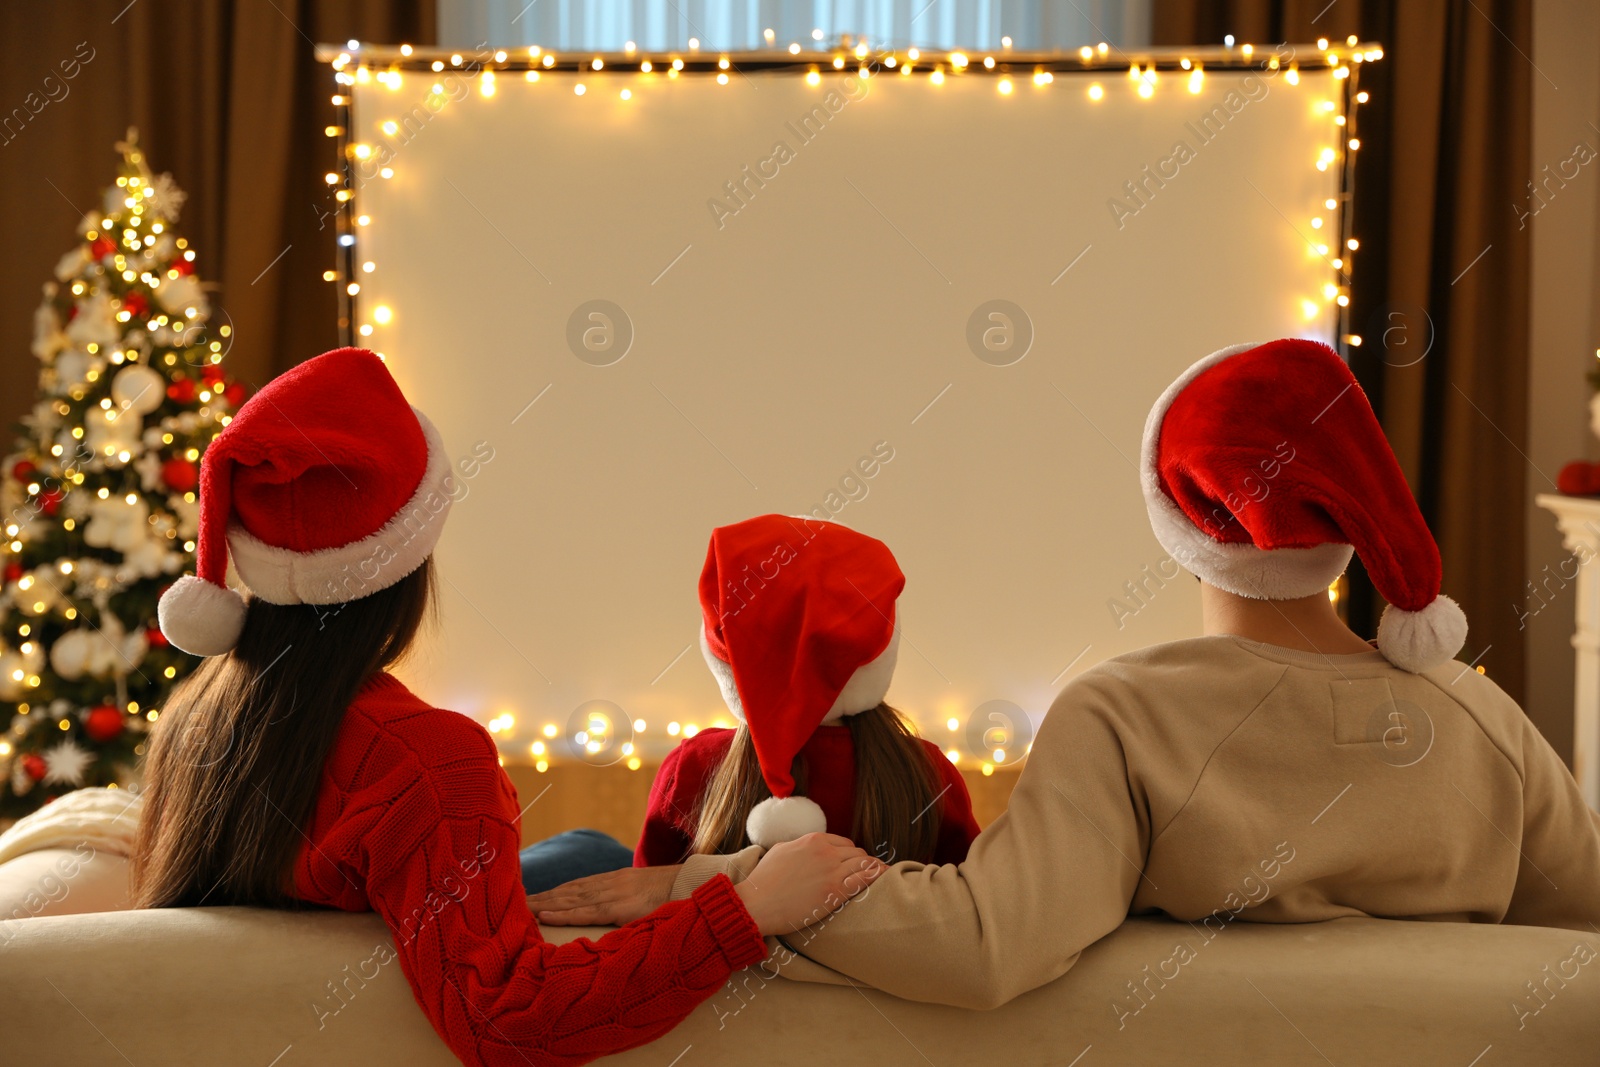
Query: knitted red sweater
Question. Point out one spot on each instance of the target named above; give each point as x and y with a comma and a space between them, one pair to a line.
674, 810
416, 820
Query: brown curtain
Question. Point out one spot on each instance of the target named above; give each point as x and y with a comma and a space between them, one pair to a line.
227, 97
1444, 157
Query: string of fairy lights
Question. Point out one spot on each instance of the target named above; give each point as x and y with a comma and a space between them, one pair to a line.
370, 154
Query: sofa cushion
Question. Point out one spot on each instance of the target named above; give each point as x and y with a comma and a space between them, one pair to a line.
248, 986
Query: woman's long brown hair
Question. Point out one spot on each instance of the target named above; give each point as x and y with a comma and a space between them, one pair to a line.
235, 759
896, 785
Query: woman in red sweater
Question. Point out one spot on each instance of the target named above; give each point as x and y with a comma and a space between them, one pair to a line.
798, 626
292, 770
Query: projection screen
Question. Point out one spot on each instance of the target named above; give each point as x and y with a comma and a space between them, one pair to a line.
935, 307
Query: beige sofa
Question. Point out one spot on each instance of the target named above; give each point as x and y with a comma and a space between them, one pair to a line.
241, 986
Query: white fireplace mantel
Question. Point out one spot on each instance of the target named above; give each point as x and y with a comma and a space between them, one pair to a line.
1578, 519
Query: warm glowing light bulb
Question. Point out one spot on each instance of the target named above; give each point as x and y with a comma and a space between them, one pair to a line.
813, 78
937, 77
722, 79
1096, 91
1005, 86
579, 89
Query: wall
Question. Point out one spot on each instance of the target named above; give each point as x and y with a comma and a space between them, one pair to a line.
1565, 333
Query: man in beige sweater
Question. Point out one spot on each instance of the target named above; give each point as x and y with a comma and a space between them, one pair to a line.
1277, 769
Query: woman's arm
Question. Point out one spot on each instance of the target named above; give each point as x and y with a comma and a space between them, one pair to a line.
439, 862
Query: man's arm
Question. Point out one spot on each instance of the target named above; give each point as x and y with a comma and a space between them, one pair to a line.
1051, 876
1558, 882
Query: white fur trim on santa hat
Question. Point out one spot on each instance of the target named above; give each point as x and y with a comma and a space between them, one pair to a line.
1241, 569
200, 618
779, 819
868, 685
723, 673
864, 691
361, 568
1417, 641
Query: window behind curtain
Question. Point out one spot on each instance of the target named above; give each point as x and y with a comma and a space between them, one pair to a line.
733, 25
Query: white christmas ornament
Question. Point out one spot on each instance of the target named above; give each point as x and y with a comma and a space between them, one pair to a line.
65, 763
138, 389
48, 338
21, 780
72, 366
149, 465
180, 293
95, 322
12, 687
117, 524
167, 199
111, 433
112, 651
74, 261
69, 656
146, 559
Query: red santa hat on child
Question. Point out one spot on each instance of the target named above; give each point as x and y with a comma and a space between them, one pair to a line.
1264, 467
326, 487
799, 630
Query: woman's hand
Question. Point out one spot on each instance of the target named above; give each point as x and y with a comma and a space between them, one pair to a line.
608, 899
799, 882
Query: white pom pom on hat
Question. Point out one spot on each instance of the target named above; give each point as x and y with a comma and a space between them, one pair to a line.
201, 618
779, 819
325, 487
1417, 641
1263, 468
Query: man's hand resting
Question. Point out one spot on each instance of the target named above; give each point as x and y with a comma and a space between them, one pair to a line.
608, 899
802, 881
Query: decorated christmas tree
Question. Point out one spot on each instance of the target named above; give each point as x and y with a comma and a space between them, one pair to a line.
97, 500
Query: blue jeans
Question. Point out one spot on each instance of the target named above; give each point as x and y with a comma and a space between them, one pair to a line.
572, 854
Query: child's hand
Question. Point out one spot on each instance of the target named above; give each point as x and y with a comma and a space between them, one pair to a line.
799, 882
608, 899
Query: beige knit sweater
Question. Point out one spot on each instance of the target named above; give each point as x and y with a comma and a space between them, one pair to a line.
1220, 780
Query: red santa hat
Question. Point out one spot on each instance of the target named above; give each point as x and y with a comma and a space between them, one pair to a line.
326, 487
799, 630
1264, 467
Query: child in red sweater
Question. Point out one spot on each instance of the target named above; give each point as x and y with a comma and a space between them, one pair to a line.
799, 630
293, 770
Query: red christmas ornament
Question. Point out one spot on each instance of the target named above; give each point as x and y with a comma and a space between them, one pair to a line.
155, 638
183, 266
103, 724
50, 501
14, 571
179, 474
102, 247
236, 394
23, 469
136, 305
1579, 478
34, 766
181, 391
213, 373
